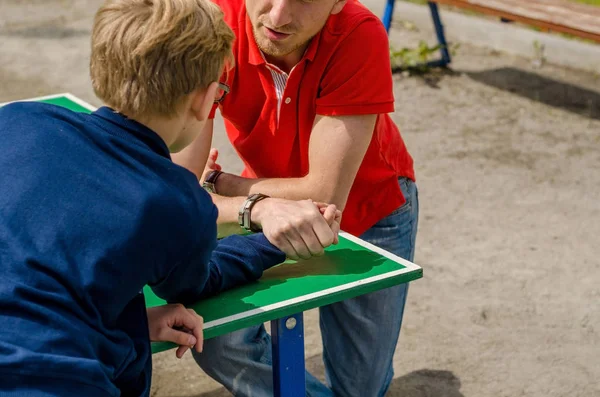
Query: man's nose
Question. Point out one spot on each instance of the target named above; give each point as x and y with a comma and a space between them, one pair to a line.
281, 13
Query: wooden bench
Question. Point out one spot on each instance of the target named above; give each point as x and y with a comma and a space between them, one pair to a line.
579, 20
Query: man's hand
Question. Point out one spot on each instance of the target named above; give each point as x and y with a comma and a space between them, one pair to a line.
175, 323
211, 164
301, 229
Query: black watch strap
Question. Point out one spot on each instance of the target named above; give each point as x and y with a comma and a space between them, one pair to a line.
244, 214
210, 183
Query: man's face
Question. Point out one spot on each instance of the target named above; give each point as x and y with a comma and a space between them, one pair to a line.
282, 27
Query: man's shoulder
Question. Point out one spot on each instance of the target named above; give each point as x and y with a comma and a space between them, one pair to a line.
234, 12
353, 15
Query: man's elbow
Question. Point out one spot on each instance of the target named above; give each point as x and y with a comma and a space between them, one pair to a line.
330, 195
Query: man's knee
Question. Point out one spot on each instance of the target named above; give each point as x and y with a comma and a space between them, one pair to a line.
211, 353
229, 348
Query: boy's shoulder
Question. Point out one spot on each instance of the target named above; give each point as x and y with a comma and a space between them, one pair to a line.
182, 204
38, 119
29, 110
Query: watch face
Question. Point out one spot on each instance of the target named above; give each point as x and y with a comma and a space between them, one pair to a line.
209, 187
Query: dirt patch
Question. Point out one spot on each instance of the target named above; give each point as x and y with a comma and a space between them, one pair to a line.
507, 159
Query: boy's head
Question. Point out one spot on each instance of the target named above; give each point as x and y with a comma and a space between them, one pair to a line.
150, 58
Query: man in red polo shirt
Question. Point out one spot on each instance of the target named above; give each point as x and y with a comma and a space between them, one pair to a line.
308, 114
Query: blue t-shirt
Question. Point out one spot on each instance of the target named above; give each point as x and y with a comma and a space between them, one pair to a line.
92, 209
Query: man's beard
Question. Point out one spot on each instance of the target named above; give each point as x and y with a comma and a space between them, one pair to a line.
272, 49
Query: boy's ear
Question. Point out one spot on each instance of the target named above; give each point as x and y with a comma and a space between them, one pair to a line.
202, 101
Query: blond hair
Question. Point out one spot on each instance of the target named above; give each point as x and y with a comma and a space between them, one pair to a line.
148, 54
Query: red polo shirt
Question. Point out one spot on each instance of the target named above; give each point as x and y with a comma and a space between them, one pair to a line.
345, 71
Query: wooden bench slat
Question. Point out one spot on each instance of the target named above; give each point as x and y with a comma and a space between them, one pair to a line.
573, 15
577, 19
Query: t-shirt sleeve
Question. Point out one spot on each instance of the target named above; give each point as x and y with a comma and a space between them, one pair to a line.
358, 79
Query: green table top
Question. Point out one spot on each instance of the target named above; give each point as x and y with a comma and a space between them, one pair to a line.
349, 269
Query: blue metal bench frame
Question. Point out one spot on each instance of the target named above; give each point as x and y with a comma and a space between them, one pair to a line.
439, 30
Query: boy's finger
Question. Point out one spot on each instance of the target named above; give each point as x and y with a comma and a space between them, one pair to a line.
213, 154
330, 214
320, 204
181, 351
335, 228
180, 338
197, 331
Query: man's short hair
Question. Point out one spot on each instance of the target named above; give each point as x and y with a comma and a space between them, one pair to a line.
148, 54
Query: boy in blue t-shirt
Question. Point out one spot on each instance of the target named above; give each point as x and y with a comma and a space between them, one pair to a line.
92, 209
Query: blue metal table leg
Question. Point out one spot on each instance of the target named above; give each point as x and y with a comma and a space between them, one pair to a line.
388, 15
287, 339
441, 36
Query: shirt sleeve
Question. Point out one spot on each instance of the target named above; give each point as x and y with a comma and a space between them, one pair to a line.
236, 260
358, 78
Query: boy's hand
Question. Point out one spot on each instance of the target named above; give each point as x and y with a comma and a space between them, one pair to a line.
333, 216
174, 323
211, 164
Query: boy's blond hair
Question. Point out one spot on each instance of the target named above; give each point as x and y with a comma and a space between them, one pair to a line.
148, 54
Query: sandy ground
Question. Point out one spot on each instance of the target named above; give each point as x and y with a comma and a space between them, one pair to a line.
508, 165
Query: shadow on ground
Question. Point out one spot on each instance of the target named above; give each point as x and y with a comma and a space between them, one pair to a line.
46, 33
542, 89
426, 383
421, 383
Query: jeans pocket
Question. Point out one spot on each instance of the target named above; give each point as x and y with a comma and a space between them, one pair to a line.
404, 187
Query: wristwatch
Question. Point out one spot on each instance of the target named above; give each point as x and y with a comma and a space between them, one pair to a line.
211, 180
244, 218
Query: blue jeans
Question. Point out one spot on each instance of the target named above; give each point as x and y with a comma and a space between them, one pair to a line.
359, 334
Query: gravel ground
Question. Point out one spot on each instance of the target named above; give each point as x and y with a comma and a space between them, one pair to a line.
508, 165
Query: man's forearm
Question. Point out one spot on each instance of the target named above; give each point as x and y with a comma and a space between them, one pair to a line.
286, 188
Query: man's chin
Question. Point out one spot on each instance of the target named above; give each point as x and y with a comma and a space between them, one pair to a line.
269, 48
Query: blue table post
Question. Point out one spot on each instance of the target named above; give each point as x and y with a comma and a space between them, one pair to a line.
388, 15
287, 339
441, 36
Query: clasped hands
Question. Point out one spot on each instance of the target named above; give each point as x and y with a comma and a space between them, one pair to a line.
301, 229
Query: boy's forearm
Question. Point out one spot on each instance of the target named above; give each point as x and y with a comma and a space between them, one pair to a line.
235, 261
194, 156
227, 221
240, 260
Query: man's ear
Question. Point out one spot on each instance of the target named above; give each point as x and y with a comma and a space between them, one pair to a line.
202, 101
338, 6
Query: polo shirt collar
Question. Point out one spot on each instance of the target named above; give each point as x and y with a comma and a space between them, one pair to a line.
256, 58
131, 129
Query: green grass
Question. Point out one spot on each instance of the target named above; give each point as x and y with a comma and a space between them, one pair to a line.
591, 2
